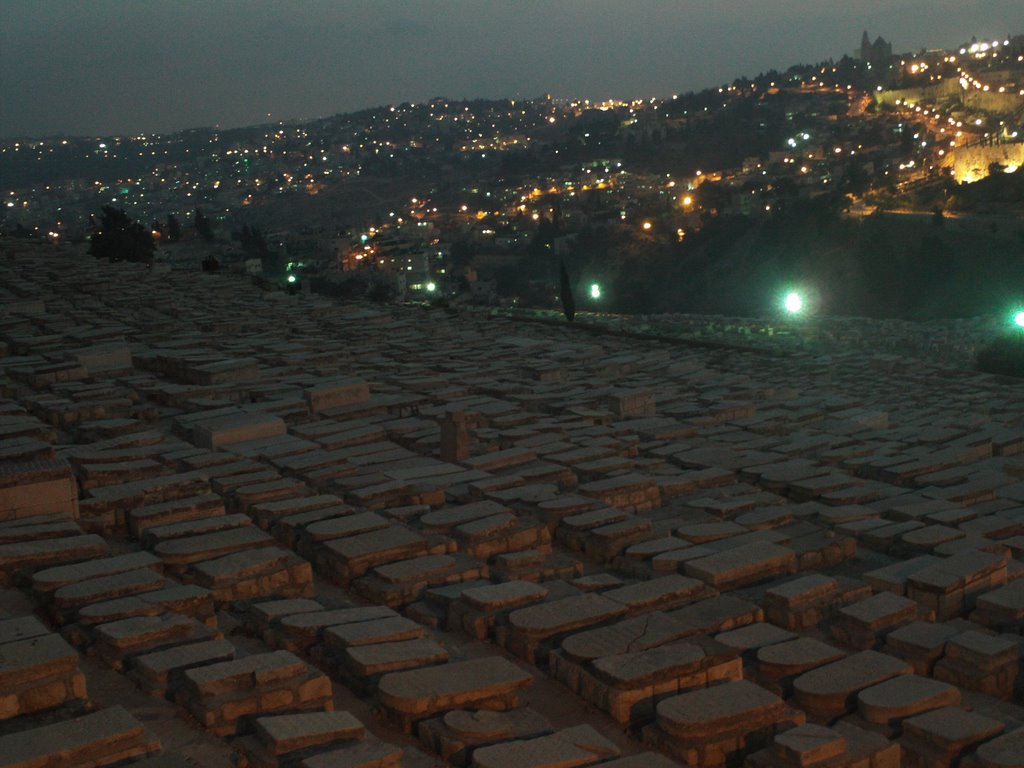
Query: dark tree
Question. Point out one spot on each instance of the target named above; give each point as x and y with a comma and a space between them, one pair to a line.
203, 226
938, 219
462, 253
118, 238
173, 228
255, 244
568, 302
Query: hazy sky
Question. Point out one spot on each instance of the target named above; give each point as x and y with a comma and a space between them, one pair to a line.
127, 66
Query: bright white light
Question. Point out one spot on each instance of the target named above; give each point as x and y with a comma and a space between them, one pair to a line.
431, 287
291, 278
1018, 319
595, 291
793, 302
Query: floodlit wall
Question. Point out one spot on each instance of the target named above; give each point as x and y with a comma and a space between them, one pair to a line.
971, 163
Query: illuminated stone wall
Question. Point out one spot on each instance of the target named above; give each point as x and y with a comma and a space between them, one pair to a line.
971, 163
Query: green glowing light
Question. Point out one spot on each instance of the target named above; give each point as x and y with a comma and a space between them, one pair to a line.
1018, 319
794, 304
595, 291
291, 278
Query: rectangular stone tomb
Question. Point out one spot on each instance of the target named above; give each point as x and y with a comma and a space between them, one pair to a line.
779, 664
831, 690
815, 746
29, 488
158, 534
921, 643
1002, 609
951, 587
369, 753
400, 583
116, 642
740, 566
386, 630
864, 624
285, 740
107, 737
886, 705
49, 580
627, 685
335, 527
350, 557
361, 666
718, 614
491, 683
807, 601
300, 631
478, 609
237, 428
576, 746
161, 673
261, 615
174, 511
629, 493
247, 575
718, 726
266, 514
535, 565
220, 695
533, 631
455, 735
25, 557
68, 599
37, 672
185, 599
941, 737
981, 662
178, 554
336, 392
487, 537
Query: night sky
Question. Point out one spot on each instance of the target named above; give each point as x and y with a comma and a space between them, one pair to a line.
133, 66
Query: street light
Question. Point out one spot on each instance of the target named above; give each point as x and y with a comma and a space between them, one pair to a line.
291, 278
1018, 319
595, 291
431, 287
793, 303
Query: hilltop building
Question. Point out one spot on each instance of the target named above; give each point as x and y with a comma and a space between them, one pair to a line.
877, 52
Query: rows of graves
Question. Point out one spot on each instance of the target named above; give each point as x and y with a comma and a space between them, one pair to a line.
252, 506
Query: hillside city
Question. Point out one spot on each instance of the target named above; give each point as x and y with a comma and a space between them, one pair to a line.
481, 199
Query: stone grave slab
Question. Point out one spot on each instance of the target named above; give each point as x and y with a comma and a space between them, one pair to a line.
491, 683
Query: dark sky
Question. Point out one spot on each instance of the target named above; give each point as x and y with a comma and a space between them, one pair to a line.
129, 66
